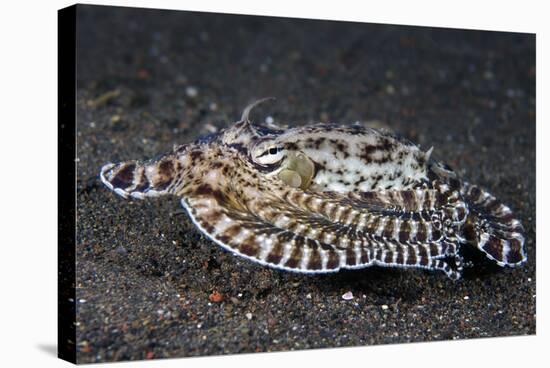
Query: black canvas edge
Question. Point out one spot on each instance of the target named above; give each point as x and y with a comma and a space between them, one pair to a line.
66, 187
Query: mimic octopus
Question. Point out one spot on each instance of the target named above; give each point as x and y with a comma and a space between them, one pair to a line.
320, 198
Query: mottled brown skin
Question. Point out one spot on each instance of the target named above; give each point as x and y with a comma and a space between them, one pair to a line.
320, 198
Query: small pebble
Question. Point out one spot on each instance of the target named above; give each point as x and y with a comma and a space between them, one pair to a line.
466, 297
143, 74
488, 75
191, 91
86, 349
347, 296
216, 297
249, 316
384, 307
121, 250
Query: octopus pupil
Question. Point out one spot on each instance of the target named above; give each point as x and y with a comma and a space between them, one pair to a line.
273, 151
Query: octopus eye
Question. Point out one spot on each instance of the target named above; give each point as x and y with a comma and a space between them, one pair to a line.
269, 155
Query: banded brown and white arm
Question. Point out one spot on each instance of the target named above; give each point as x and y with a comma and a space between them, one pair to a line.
321, 232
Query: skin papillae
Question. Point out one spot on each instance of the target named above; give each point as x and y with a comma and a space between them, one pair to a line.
321, 198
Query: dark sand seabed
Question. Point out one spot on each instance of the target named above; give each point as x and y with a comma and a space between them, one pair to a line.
148, 80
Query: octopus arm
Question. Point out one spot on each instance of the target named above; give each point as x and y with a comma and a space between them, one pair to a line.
284, 229
493, 228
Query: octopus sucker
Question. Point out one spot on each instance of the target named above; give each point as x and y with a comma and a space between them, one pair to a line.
321, 197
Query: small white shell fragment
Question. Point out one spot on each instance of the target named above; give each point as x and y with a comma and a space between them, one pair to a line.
348, 296
191, 91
